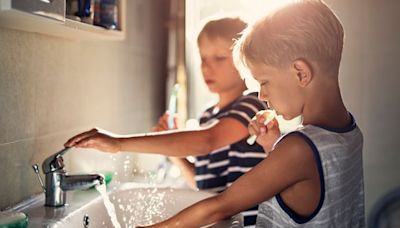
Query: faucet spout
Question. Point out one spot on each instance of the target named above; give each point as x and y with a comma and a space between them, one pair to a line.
58, 181
78, 182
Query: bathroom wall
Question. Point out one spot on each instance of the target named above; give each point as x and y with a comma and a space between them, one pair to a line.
52, 88
370, 86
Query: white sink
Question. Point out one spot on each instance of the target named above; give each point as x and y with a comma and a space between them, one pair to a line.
135, 204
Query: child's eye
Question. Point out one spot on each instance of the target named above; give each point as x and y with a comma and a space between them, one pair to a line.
263, 83
220, 58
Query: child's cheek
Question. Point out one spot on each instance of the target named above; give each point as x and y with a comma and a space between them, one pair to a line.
263, 94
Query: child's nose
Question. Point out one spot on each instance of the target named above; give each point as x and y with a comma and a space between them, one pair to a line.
262, 96
206, 69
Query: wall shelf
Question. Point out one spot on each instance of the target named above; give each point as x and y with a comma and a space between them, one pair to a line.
66, 28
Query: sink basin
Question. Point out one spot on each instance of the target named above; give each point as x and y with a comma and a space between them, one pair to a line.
135, 204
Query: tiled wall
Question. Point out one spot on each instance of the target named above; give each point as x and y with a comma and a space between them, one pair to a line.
52, 88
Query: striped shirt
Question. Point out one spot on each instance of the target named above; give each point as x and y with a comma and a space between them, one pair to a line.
338, 155
220, 168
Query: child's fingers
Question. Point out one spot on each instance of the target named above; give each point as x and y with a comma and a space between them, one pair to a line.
76, 139
175, 122
253, 128
273, 128
260, 116
156, 128
165, 116
260, 123
100, 142
163, 123
273, 124
85, 143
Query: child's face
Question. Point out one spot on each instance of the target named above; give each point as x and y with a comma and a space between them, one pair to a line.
280, 88
217, 66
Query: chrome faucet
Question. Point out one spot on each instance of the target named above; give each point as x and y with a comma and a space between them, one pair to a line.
58, 182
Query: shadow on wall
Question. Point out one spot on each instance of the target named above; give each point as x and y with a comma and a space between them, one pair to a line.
386, 211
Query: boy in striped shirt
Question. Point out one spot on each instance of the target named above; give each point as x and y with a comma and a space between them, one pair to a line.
218, 168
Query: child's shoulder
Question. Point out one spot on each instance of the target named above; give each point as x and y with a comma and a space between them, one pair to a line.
249, 94
323, 142
295, 142
252, 99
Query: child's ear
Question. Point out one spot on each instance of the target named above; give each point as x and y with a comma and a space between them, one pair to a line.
303, 72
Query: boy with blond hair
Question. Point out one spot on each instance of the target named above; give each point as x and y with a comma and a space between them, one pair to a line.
313, 176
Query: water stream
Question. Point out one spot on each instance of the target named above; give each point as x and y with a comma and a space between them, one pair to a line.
109, 206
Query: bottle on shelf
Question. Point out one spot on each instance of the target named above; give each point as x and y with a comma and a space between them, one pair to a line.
106, 13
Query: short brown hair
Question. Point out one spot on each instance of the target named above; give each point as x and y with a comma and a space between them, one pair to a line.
306, 29
227, 28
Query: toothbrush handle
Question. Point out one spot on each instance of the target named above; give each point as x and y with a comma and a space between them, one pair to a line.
171, 112
172, 106
251, 140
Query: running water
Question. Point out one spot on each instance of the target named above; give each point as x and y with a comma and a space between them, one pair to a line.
109, 206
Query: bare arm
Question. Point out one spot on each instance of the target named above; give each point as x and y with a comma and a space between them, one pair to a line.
179, 143
187, 169
276, 177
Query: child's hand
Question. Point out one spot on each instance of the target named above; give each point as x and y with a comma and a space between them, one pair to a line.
162, 124
266, 134
96, 140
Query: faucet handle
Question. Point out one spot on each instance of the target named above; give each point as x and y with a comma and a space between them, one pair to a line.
54, 162
36, 170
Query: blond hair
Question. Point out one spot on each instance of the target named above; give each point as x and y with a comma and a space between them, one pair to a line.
306, 30
227, 28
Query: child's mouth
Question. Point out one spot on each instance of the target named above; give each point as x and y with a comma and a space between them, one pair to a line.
209, 82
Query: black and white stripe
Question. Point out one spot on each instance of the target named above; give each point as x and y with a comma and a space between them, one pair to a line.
220, 168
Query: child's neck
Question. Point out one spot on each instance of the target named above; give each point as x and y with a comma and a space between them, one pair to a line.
227, 97
328, 110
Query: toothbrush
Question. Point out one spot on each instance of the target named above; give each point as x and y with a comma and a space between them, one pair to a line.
163, 166
172, 106
269, 116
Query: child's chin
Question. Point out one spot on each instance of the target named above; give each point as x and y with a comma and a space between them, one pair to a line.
212, 89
